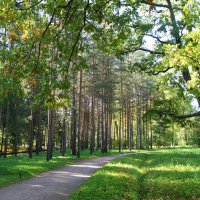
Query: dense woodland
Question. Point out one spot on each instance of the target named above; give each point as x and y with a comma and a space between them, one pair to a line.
98, 74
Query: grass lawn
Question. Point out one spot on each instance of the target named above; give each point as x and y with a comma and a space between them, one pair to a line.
170, 174
11, 167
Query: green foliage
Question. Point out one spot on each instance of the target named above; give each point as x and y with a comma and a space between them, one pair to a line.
188, 56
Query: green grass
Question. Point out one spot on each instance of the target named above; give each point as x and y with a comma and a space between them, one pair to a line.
168, 174
11, 167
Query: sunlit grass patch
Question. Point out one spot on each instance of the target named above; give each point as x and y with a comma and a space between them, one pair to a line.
176, 177
165, 174
117, 180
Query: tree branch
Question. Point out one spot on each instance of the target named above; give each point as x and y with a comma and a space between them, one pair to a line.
30, 7
67, 5
146, 50
79, 34
155, 4
27, 55
66, 20
161, 71
157, 38
151, 4
47, 27
188, 115
175, 32
25, 10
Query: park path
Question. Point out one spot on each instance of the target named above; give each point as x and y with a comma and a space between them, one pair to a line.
58, 184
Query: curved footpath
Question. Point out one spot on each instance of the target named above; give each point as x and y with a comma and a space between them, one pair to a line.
58, 184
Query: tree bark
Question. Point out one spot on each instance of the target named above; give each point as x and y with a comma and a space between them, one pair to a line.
80, 114
31, 135
7, 129
63, 138
73, 130
38, 132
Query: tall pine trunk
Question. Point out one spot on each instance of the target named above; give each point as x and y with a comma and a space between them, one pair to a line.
7, 130
92, 138
80, 114
74, 123
50, 133
31, 135
63, 137
38, 132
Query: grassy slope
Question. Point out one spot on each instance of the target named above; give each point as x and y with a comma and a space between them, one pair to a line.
11, 167
159, 175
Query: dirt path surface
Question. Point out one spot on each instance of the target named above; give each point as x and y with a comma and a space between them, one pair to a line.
58, 184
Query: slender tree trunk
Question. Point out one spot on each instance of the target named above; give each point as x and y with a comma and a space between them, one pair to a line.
121, 112
55, 127
151, 134
2, 139
63, 138
53, 130
16, 131
87, 126
50, 133
102, 127
2, 133
140, 123
80, 114
116, 130
83, 123
98, 128
106, 128
83, 130
110, 130
92, 142
143, 122
31, 135
38, 132
147, 127
120, 131
7, 130
73, 131
129, 126
125, 126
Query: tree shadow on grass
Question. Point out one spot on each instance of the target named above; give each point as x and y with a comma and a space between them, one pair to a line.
158, 159
171, 175
174, 185
149, 176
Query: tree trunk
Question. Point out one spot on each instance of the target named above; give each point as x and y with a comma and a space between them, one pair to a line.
92, 137
73, 130
50, 133
120, 130
106, 128
38, 132
7, 130
1, 126
98, 128
87, 126
31, 135
63, 138
80, 115
102, 127
16, 131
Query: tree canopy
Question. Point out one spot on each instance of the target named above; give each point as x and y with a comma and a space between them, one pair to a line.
91, 63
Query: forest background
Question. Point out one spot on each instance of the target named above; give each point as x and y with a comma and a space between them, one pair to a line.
83, 74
